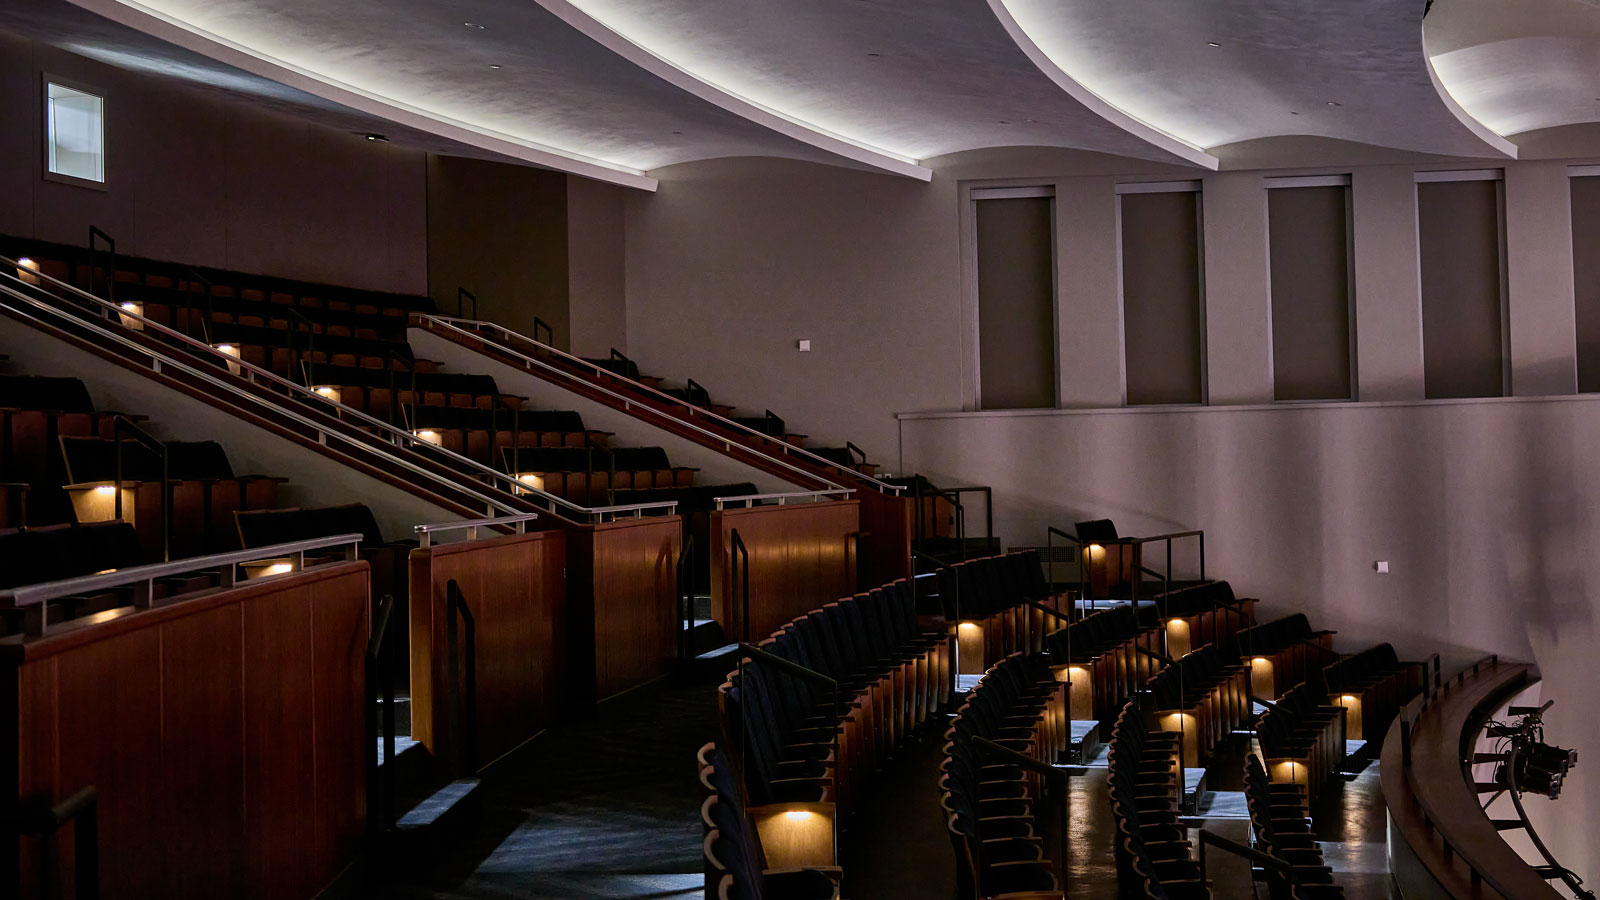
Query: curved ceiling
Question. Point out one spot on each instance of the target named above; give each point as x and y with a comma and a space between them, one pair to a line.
1519, 66
1219, 72
510, 77
921, 78
616, 89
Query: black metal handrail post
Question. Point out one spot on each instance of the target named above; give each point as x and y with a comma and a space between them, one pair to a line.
307, 362
1050, 534
381, 722
111, 270
739, 576
1264, 860
82, 810
463, 703
1057, 777
121, 426
686, 597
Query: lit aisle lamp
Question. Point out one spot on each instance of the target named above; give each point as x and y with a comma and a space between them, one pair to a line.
28, 271
232, 352
797, 835
131, 311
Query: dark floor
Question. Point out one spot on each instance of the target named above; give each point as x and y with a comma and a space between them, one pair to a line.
607, 807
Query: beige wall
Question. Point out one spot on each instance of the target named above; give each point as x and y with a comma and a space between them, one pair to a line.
732, 261
195, 178
500, 231
596, 267
1482, 508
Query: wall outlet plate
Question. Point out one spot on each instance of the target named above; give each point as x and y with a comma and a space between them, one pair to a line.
1381, 567
803, 346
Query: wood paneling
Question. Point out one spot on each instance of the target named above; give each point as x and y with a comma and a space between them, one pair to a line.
801, 557
515, 589
223, 735
885, 544
635, 601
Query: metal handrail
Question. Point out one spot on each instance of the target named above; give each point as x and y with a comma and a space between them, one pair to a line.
32, 598
519, 521
784, 448
751, 499
349, 415
82, 809
1409, 716
255, 373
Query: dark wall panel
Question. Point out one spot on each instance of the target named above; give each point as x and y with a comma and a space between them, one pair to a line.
1458, 231
1163, 333
1016, 303
1310, 252
1586, 278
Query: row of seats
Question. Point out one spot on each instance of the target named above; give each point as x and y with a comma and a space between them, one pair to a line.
990, 803
1283, 653
1282, 831
737, 867
1372, 686
990, 598
1155, 859
201, 487
892, 676
1113, 648
1204, 695
1302, 736
1205, 613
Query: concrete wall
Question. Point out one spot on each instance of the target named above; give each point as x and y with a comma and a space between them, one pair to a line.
197, 178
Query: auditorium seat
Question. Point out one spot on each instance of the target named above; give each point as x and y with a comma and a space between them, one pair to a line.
1112, 650
1372, 686
1153, 854
1203, 696
1302, 737
1281, 830
987, 601
204, 491
1283, 653
737, 866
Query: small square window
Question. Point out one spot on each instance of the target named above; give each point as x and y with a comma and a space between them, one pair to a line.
74, 127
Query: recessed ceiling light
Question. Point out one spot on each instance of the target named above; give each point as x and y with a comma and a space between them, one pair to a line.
473, 25
377, 137
493, 66
1212, 44
1334, 103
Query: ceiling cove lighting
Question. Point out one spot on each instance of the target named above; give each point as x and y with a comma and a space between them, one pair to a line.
648, 54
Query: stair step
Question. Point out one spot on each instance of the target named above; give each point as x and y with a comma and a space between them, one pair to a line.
438, 805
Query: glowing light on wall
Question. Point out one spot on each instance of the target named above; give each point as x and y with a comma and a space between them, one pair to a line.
131, 311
